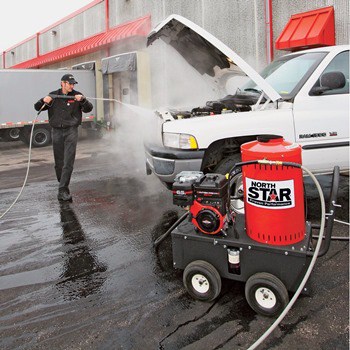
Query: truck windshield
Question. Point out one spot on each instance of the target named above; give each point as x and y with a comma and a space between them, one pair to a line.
288, 74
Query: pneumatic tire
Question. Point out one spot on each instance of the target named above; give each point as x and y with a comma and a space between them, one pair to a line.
202, 281
227, 164
11, 134
236, 183
41, 137
266, 294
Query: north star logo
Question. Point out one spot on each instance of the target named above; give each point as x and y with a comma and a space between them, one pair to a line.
270, 194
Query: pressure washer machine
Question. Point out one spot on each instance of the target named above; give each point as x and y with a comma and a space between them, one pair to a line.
268, 245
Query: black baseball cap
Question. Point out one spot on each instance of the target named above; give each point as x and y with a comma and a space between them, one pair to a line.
69, 78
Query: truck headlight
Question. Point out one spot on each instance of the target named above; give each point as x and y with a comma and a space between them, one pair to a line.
182, 141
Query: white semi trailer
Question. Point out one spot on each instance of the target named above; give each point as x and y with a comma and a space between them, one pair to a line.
20, 89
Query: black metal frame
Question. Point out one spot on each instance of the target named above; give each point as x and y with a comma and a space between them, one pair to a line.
289, 263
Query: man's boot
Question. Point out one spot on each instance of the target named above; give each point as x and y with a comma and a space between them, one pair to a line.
64, 195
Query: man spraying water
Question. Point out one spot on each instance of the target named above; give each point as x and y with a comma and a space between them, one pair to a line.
65, 107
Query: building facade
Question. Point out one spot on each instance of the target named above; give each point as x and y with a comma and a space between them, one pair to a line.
109, 31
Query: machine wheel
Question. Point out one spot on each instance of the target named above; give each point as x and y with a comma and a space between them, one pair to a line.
266, 294
41, 137
236, 184
202, 281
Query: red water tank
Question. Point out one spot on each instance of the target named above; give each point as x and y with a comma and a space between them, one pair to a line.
273, 194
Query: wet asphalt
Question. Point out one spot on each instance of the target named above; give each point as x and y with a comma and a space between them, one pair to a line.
85, 275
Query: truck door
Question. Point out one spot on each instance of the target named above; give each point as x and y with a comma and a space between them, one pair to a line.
322, 121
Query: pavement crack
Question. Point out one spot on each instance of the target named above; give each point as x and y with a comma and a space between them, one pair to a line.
286, 329
161, 347
220, 346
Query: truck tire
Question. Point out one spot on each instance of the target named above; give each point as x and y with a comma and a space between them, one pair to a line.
226, 164
41, 137
236, 184
11, 134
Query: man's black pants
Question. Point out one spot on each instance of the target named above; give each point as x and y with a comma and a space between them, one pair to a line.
64, 142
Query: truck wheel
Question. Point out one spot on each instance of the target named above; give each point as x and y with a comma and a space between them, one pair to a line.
202, 281
41, 137
236, 184
11, 134
266, 294
226, 164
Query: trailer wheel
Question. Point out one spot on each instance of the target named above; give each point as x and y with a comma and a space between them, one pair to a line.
266, 294
202, 281
41, 137
11, 134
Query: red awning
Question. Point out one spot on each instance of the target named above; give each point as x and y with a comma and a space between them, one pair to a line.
308, 29
139, 27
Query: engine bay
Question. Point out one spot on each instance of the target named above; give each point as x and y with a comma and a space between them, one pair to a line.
240, 102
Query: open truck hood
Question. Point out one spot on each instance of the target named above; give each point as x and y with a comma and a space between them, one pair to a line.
204, 52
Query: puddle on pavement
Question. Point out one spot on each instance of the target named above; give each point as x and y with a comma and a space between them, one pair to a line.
19, 279
80, 246
76, 269
82, 273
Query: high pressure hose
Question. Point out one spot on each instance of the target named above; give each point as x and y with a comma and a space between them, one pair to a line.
183, 217
308, 272
28, 165
161, 238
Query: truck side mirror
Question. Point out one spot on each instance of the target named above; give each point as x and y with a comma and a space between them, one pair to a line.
329, 81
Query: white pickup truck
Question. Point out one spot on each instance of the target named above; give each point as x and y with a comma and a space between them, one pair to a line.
302, 96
